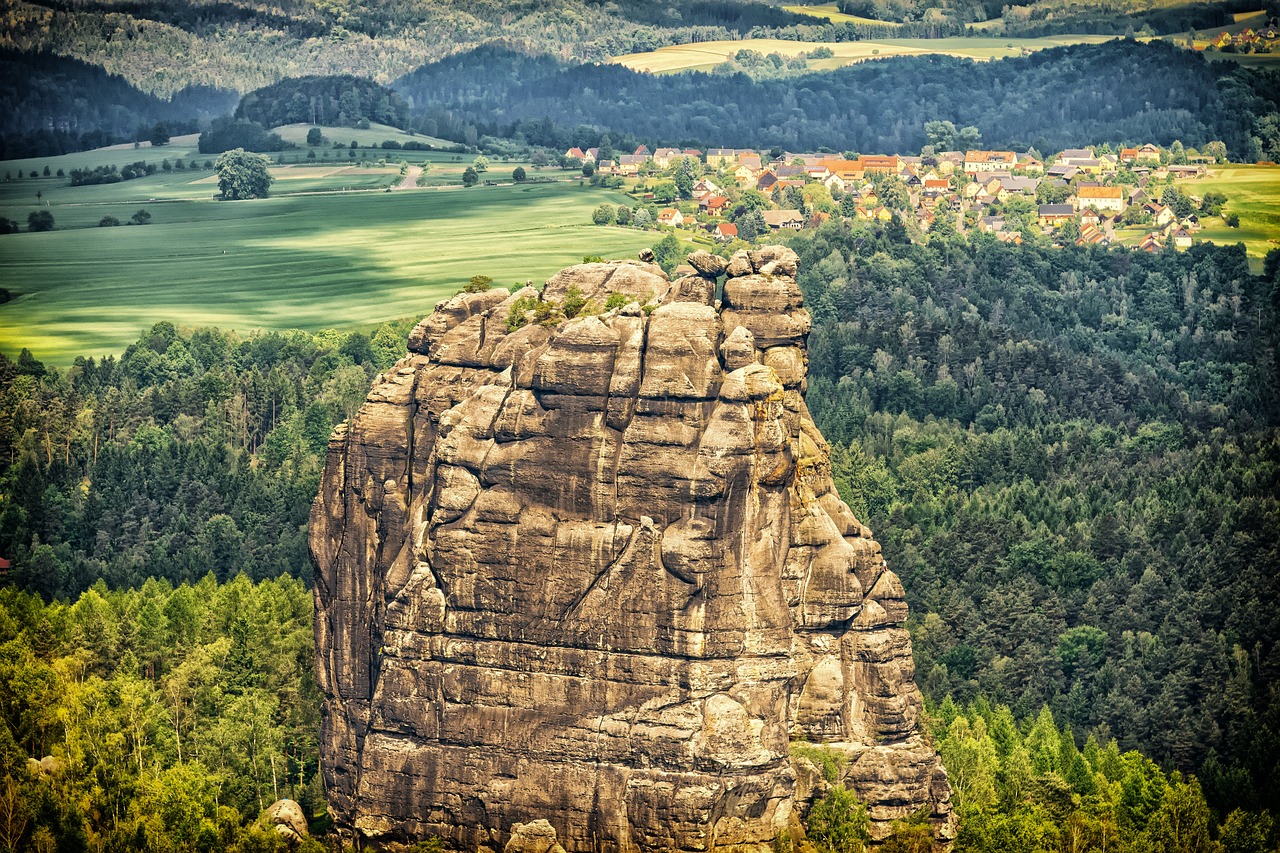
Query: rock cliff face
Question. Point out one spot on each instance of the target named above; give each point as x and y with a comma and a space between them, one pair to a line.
593, 572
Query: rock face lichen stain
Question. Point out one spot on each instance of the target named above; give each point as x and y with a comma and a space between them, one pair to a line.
594, 571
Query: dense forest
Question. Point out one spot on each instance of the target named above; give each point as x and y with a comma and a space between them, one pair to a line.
167, 718
54, 105
342, 101
191, 453
1050, 100
1072, 459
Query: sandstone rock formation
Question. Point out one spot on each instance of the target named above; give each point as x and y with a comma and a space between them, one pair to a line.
591, 575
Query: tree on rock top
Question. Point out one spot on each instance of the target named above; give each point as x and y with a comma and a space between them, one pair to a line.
242, 174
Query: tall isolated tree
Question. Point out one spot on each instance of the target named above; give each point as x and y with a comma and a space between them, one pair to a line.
242, 174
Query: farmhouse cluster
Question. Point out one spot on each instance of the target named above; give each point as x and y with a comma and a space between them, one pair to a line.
1094, 195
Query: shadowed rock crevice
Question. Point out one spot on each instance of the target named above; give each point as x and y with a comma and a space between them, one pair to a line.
580, 583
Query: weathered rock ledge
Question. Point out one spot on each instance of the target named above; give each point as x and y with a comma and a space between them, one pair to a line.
593, 577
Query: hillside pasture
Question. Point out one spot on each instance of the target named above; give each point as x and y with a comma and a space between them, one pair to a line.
341, 261
370, 137
704, 56
832, 13
1253, 194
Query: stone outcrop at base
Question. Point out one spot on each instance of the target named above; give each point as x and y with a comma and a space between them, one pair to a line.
580, 582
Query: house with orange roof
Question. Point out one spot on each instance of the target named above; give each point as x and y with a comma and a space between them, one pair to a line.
989, 161
1100, 198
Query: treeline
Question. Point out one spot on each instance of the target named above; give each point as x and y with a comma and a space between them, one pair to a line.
54, 105
1050, 100
344, 101
157, 718
1029, 786
194, 452
1071, 457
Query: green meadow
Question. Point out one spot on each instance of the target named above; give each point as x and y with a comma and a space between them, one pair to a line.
1253, 193
337, 260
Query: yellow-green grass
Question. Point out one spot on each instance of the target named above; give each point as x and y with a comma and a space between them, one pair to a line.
1253, 194
703, 56
179, 148
374, 135
832, 13
306, 261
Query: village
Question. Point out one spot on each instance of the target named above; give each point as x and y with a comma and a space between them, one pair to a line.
1096, 196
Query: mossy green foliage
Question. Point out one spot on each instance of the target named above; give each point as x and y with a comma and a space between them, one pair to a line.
826, 759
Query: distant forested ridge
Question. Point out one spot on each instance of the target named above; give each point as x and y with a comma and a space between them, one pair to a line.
54, 105
342, 101
1050, 100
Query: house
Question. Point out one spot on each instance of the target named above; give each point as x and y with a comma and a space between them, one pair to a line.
1191, 223
1150, 243
576, 154
1066, 173
5, 566
1128, 155
629, 164
1053, 215
726, 231
1100, 198
1090, 235
1022, 186
714, 204
936, 187
778, 219
1149, 152
1073, 156
948, 161
1182, 239
991, 224
885, 165
643, 151
924, 218
1160, 214
1194, 171
705, 186
989, 161
670, 216
691, 153
751, 160
664, 157
592, 154
834, 182
744, 175
719, 158
766, 181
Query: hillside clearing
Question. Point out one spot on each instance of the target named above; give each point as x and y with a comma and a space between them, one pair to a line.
703, 56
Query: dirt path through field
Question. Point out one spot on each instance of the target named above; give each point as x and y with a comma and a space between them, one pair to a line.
411, 179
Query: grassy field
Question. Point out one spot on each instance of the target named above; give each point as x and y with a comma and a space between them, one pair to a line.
302, 261
375, 135
703, 56
1253, 193
832, 13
